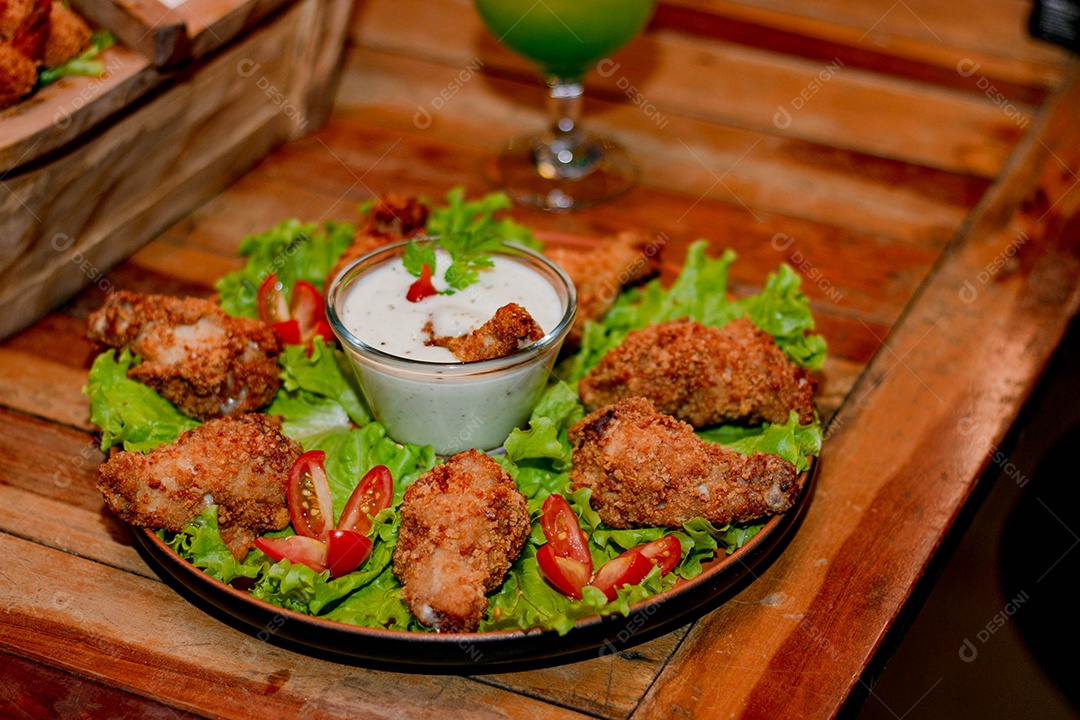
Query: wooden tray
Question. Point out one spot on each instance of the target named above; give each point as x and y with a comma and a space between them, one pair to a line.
95, 167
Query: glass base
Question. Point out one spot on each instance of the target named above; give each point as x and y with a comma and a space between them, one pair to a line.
517, 172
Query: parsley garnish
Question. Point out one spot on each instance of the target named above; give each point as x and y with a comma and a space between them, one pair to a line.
469, 232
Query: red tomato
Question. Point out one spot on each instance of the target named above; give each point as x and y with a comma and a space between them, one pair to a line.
271, 301
563, 532
308, 306
623, 570
373, 493
422, 287
311, 506
567, 575
288, 331
345, 551
322, 328
665, 553
297, 549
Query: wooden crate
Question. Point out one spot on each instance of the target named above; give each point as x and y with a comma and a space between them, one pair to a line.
91, 168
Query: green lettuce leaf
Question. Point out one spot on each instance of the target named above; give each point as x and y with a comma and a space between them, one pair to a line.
86, 63
292, 251
700, 294
128, 412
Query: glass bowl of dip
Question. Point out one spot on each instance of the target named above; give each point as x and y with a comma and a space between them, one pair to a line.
423, 394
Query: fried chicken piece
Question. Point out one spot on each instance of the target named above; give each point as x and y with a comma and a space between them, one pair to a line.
704, 375
391, 218
17, 75
240, 464
12, 14
31, 29
463, 524
205, 361
510, 328
600, 274
68, 35
647, 469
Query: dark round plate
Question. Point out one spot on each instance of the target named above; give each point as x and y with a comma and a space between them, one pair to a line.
484, 651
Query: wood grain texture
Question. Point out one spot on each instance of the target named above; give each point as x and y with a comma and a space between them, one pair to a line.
904, 218
939, 433
908, 40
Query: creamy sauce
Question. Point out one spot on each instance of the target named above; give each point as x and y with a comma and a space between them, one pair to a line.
377, 312
425, 395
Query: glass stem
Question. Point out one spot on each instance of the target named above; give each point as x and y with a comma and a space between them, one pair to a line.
564, 153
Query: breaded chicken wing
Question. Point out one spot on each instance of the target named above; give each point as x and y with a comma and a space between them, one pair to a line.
510, 328
68, 35
463, 524
704, 375
391, 218
18, 74
205, 361
600, 273
240, 464
646, 469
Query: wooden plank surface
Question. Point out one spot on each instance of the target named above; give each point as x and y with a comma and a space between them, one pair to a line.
894, 191
938, 429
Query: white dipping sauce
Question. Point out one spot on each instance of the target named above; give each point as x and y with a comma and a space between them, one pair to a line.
377, 312
425, 395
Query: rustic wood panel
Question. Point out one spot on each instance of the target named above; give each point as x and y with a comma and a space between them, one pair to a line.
988, 49
733, 85
930, 437
698, 159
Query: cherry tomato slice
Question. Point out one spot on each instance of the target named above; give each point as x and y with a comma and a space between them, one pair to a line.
311, 506
563, 532
422, 287
665, 553
346, 551
271, 301
288, 331
308, 306
297, 549
322, 329
373, 493
566, 575
622, 570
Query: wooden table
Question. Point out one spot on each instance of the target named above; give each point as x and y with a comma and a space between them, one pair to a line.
915, 161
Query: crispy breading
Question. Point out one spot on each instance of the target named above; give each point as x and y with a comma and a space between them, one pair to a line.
32, 31
391, 218
463, 524
17, 75
240, 464
601, 273
12, 14
68, 35
647, 469
510, 328
704, 375
205, 361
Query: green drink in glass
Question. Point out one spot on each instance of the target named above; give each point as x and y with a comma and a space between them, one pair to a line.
564, 167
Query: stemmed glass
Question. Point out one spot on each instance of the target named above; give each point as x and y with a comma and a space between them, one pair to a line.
564, 167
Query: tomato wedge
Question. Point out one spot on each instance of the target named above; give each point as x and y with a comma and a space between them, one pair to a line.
346, 551
271, 301
311, 506
622, 570
665, 553
563, 532
297, 549
373, 493
422, 287
288, 331
566, 575
308, 306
